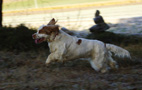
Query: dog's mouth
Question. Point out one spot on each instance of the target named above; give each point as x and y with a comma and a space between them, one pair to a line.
39, 40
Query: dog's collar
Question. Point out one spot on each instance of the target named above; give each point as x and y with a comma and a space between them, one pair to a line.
52, 38
55, 36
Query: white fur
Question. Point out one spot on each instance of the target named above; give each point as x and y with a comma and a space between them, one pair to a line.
64, 47
118, 51
41, 35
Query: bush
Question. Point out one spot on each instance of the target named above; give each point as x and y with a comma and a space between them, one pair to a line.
18, 38
119, 39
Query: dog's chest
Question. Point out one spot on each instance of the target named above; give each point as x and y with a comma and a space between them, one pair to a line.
53, 47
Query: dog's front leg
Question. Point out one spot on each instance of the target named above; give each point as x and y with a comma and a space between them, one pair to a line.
56, 54
53, 57
50, 58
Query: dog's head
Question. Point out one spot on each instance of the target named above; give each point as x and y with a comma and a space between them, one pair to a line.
45, 31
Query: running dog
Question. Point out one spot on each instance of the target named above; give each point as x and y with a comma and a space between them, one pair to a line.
66, 47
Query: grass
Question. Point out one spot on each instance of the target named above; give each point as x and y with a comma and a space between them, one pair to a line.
26, 70
118, 39
25, 4
135, 50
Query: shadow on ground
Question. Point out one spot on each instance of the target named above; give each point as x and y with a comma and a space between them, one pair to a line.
130, 26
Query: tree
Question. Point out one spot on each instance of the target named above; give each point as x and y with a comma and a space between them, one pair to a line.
1, 1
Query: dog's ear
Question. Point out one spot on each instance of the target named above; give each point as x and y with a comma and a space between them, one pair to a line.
54, 28
52, 22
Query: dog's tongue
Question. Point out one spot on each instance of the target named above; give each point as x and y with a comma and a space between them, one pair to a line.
36, 41
39, 40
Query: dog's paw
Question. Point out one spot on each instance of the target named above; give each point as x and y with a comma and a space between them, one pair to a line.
47, 64
105, 70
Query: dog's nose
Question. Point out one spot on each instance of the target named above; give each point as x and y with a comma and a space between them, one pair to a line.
34, 36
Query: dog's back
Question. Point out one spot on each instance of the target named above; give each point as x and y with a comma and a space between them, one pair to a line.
78, 47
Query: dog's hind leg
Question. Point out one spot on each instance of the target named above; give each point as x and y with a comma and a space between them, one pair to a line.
99, 60
94, 65
112, 63
99, 64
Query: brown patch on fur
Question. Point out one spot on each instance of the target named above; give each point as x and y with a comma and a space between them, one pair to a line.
49, 29
45, 30
42, 31
79, 41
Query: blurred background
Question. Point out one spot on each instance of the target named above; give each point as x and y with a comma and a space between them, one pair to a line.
22, 62
121, 15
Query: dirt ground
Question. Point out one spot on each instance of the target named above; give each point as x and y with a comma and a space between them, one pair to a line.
27, 71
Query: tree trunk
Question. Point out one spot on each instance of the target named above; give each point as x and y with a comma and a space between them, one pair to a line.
1, 1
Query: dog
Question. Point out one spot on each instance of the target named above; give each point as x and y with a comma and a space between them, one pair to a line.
66, 47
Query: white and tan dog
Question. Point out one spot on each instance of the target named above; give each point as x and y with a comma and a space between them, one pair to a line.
66, 47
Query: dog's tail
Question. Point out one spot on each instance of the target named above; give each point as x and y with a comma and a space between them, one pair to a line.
118, 51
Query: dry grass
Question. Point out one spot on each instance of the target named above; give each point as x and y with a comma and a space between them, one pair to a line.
27, 71
136, 50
